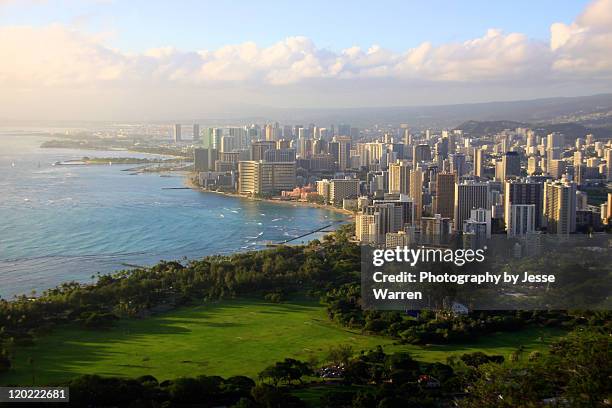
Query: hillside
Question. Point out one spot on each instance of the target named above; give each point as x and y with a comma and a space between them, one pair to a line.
588, 110
570, 130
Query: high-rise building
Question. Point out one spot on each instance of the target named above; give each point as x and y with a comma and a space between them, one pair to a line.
556, 168
555, 141
228, 143
469, 195
204, 159
323, 189
406, 215
365, 227
511, 165
581, 200
280, 155
344, 130
445, 195
416, 193
196, 133
524, 192
609, 164
474, 234
259, 149
340, 149
339, 189
533, 166
521, 220
435, 230
211, 138
398, 239
560, 206
421, 153
479, 157
389, 218
577, 158
457, 164
263, 178
272, 132
177, 133
399, 177
482, 215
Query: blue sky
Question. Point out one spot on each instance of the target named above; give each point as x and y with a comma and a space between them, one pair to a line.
138, 25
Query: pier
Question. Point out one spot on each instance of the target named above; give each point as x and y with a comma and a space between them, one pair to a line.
286, 241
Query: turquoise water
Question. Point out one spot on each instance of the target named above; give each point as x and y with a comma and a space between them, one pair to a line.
61, 223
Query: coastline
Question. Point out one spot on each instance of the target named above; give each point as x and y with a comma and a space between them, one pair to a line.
349, 214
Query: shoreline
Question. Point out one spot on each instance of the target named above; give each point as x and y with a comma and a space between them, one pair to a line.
348, 214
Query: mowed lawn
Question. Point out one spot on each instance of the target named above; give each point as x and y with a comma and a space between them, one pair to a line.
225, 338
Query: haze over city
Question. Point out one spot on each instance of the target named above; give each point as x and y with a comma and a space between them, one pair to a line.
109, 60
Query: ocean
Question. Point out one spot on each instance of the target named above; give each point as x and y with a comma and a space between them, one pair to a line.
64, 223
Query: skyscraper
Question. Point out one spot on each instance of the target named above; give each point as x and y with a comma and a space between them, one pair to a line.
228, 144
263, 178
445, 195
196, 133
204, 159
340, 148
457, 164
422, 153
560, 207
416, 193
469, 195
406, 214
259, 148
482, 215
435, 230
511, 165
211, 137
366, 226
533, 165
280, 155
609, 164
524, 192
339, 189
554, 141
521, 220
399, 177
479, 162
177, 133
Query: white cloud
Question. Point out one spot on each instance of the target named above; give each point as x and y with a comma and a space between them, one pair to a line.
584, 47
40, 59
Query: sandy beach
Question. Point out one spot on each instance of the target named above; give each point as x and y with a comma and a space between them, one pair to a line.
189, 183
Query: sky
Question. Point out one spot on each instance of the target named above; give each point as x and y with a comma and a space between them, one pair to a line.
156, 60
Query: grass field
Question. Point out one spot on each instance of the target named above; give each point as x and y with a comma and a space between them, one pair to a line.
227, 338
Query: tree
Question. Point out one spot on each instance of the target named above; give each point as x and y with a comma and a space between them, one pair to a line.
5, 362
287, 371
340, 354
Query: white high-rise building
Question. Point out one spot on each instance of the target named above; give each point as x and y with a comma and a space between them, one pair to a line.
365, 227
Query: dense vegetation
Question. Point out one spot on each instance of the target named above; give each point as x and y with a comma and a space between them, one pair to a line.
272, 273
330, 270
439, 327
575, 372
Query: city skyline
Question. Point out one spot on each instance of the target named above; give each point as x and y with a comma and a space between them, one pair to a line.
101, 60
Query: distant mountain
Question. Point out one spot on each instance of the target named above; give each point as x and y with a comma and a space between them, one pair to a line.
570, 130
482, 128
593, 110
